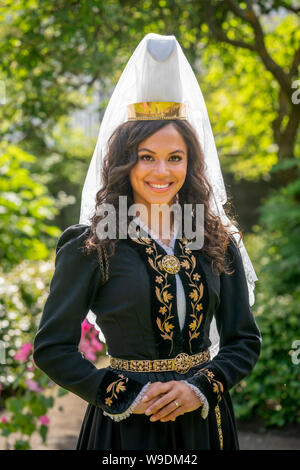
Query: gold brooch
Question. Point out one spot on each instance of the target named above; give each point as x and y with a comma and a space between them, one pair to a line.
182, 363
170, 264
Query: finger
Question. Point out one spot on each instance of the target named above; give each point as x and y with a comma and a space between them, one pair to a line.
170, 409
155, 399
145, 406
156, 389
172, 416
151, 401
161, 403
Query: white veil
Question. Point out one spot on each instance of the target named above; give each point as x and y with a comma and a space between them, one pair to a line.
159, 71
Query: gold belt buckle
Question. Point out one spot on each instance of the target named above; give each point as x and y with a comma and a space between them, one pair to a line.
182, 363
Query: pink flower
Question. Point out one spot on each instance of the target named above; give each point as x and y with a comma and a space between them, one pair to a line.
95, 343
23, 352
44, 420
90, 355
3, 420
85, 347
89, 342
85, 326
33, 386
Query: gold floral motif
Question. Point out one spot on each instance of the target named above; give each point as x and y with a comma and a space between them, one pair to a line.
196, 295
188, 263
116, 387
219, 424
185, 264
181, 363
217, 386
161, 291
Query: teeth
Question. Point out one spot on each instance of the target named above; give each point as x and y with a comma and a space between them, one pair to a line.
159, 185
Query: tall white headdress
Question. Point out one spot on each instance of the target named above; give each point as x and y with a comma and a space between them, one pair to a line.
158, 71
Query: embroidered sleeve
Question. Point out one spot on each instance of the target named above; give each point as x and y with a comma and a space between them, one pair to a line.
118, 395
206, 381
73, 287
240, 339
129, 411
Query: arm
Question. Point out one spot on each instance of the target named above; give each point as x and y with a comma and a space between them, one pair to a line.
74, 285
240, 339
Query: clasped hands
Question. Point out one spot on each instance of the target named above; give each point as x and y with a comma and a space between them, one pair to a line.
161, 400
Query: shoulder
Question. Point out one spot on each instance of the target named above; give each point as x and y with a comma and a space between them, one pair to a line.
72, 260
76, 232
233, 256
74, 235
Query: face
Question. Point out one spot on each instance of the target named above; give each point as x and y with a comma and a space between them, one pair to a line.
161, 167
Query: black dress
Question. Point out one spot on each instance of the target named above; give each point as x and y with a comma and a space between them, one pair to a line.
136, 310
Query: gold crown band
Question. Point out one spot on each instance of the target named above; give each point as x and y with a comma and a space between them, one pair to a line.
182, 363
155, 110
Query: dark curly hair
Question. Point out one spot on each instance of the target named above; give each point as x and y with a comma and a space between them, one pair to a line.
122, 155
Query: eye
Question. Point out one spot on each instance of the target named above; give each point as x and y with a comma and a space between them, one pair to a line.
176, 157
145, 157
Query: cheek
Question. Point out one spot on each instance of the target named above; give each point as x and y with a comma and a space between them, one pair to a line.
136, 175
181, 172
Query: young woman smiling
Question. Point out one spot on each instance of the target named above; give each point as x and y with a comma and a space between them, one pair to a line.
154, 300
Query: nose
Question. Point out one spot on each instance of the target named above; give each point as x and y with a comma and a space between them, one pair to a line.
161, 169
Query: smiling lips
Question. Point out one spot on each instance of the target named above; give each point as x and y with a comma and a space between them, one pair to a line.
159, 187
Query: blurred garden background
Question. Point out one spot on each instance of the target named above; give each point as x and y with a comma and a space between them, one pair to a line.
60, 61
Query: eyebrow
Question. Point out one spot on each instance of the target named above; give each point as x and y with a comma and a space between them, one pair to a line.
151, 151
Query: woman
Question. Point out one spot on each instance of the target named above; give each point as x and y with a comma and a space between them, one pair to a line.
162, 390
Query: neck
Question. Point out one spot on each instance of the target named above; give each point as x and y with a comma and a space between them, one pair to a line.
159, 225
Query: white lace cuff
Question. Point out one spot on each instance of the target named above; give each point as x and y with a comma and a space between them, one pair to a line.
205, 407
128, 412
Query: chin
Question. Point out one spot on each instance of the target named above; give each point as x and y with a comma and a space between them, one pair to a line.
161, 201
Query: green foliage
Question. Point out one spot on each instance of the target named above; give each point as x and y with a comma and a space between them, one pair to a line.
23, 293
25, 204
58, 72
26, 411
280, 216
55, 73
24, 389
241, 98
65, 165
272, 389
24, 286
